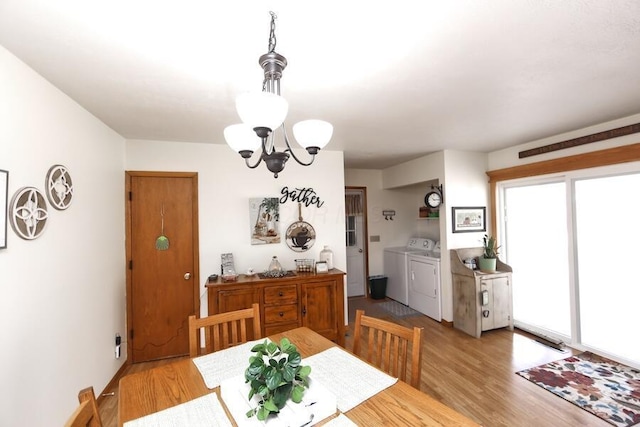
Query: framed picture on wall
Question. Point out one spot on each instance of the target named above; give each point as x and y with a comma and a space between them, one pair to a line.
264, 220
469, 219
4, 191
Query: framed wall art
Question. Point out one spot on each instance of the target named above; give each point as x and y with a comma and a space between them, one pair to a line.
28, 213
469, 219
59, 187
4, 191
264, 220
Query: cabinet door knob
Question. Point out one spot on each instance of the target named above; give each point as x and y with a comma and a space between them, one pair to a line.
280, 294
281, 314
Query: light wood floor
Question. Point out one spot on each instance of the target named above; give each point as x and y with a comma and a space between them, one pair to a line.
474, 376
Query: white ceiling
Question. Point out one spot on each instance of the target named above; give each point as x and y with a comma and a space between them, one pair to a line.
397, 79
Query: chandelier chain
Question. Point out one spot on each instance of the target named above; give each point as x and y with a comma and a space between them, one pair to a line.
272, 33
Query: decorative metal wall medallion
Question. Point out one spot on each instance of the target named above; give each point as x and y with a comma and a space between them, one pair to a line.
59, 187
28, 213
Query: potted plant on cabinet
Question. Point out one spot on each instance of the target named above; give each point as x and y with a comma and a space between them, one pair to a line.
487, 261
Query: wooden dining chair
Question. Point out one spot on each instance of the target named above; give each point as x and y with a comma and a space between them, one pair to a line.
224, 330
388, 346
85, 415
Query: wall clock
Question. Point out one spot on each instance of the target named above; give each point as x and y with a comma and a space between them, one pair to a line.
433, 199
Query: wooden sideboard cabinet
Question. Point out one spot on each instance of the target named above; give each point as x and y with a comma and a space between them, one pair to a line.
306, 299
481, 301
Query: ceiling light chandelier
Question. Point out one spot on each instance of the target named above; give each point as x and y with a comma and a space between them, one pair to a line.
263, 112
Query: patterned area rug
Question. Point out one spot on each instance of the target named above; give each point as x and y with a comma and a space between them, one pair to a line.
607, 389
397, 309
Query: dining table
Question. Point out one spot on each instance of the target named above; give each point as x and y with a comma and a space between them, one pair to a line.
166, 386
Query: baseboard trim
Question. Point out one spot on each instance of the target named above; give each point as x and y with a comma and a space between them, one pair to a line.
446, 323
113, 383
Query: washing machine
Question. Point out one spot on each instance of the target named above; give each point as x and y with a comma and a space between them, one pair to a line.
396, 267
423, 275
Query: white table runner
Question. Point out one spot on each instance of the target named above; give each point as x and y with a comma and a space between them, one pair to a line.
220, 365
205, 411
350, 379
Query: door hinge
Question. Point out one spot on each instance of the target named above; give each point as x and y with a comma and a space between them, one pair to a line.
131, 334
130, 264
130, 195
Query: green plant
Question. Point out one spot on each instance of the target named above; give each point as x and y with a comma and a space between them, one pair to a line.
490, 246
275, 374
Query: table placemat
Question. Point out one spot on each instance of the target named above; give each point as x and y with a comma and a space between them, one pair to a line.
205, 411
349, 378
340, 421
220, 365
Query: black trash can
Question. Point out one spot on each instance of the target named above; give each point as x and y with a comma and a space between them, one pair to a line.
378, 286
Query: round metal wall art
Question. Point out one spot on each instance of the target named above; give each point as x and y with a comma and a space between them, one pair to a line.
28, 213
59, 187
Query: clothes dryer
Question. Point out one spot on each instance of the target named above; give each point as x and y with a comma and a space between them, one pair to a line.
423, 276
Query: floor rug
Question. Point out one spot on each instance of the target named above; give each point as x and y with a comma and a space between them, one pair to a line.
607, 389
397, 309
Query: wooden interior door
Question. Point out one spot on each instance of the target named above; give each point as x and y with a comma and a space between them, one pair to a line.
162, 284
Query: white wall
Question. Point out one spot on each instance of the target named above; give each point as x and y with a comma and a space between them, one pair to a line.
225, 187
63, 294
466, 185
422, 169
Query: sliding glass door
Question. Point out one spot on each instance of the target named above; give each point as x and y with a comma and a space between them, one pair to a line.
536, 236
607, 238
572, 242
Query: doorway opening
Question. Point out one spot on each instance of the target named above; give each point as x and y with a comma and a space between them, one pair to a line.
356, 240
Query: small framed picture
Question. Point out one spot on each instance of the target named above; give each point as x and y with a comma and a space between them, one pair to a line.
469, 219
321, 267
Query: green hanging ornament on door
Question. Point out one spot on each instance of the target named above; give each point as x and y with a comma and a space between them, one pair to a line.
162, 242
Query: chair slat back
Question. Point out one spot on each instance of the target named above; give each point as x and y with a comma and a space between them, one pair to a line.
389, 346
223, 330
86, 414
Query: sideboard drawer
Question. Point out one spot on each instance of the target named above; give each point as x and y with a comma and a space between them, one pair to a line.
279, 314
280, 294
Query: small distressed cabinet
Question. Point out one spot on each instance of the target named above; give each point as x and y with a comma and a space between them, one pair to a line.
481, 301
302, 299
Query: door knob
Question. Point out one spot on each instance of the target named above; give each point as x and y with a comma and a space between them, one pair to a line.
360, 250
187, 276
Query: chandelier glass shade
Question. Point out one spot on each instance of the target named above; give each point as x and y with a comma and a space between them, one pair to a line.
262, 109
262, 113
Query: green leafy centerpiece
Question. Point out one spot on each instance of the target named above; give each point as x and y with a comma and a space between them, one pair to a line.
275, 374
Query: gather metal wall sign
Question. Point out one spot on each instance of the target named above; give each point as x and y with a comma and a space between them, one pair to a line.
600, 136
301, 195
